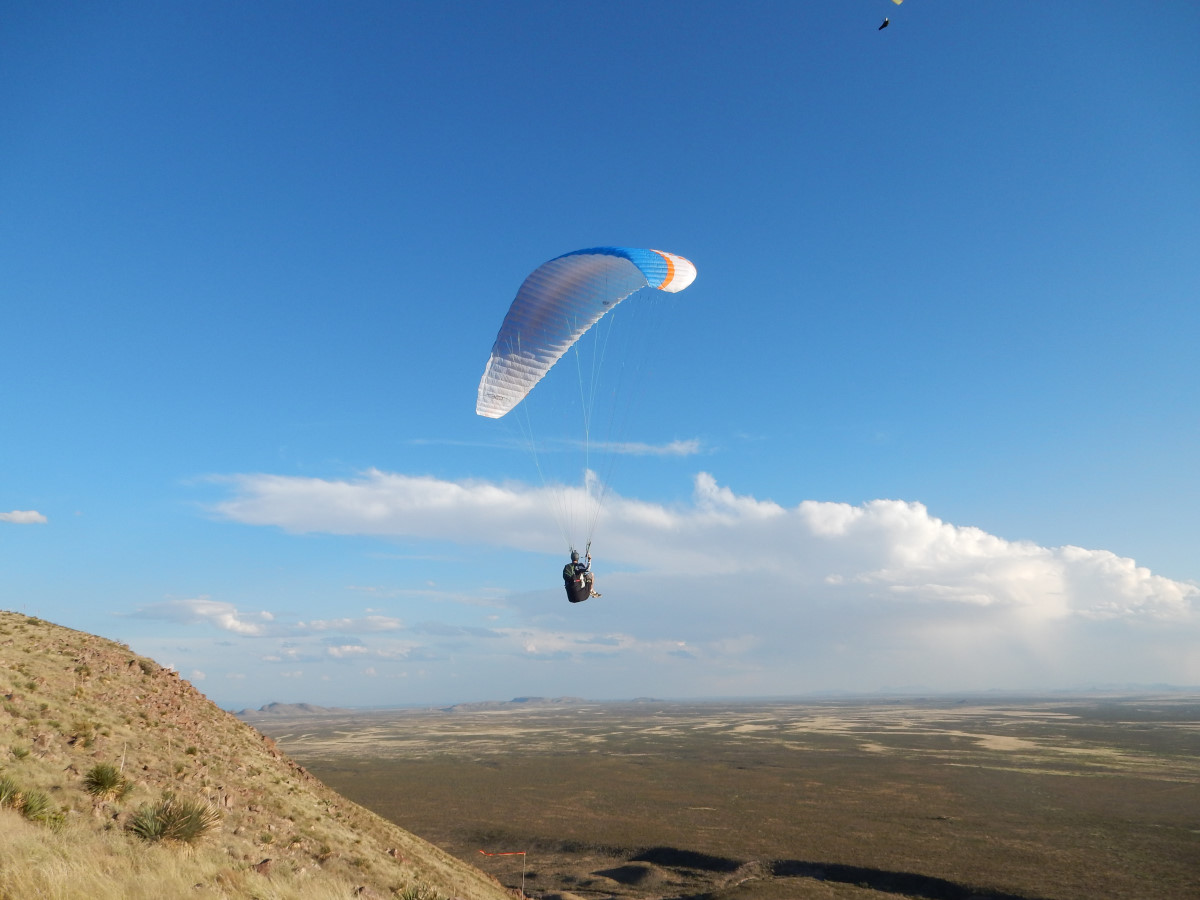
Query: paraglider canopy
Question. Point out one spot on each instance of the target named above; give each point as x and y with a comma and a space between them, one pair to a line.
560, 301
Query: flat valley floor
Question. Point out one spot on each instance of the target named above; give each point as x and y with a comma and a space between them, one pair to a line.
1064, 798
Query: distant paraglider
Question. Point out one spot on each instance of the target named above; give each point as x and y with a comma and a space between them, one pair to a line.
886, 20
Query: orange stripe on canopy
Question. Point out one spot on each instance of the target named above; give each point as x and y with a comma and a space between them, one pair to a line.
670, 269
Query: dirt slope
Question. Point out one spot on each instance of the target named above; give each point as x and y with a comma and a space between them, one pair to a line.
70, 701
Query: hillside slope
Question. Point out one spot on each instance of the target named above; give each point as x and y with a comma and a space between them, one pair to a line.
71, 702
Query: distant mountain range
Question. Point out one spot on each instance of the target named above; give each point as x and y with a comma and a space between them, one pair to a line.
292, 709
516, 703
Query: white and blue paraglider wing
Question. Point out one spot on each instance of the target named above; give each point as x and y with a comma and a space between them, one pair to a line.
557, 304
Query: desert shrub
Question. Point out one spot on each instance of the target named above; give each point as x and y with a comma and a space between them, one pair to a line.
9, 793
19, 752
419, 891
103, 780
37, 807
172, 819
84, 731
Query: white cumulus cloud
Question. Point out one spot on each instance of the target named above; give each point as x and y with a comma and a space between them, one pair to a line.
342, 651
205, 610
23, 517
364, 624
884, 549
762, 597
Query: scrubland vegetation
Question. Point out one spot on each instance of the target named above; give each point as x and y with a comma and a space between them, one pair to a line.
119, 780
967, 798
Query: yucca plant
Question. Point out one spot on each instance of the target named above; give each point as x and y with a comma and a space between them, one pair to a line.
172, 819
10, 794
36, 806
105, 782
419, 891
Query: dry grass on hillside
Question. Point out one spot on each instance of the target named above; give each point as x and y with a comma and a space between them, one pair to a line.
93, 738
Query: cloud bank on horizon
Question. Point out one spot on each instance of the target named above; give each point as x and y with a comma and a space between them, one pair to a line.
728, 594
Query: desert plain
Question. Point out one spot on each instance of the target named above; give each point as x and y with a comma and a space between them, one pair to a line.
1066, 797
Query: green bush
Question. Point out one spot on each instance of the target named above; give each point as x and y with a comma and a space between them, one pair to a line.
171, 819
104, 781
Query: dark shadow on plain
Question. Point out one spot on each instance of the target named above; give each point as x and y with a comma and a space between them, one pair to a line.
909, 884
632, 875
906, 884
673, 858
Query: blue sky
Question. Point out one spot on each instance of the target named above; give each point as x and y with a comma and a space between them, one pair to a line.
937, 378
